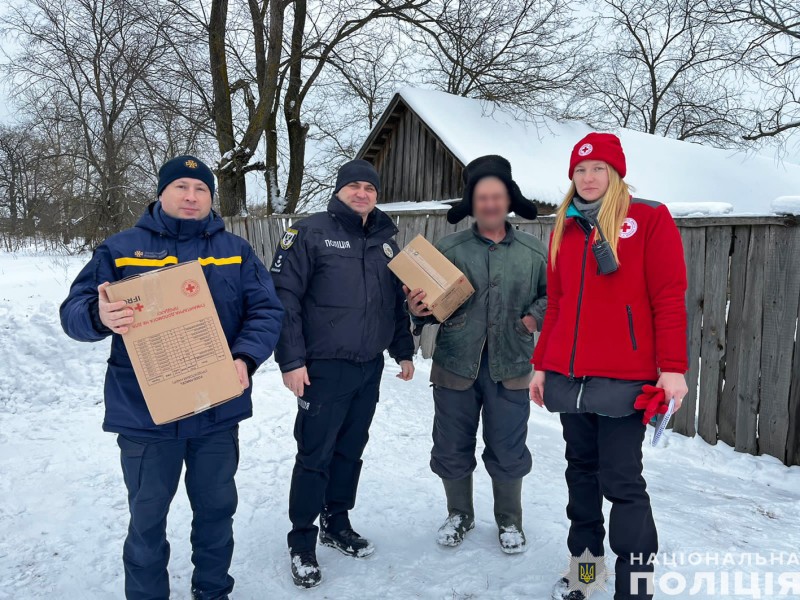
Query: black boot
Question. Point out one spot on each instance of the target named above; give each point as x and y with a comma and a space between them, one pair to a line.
347, 542
198, 595
460, 513
508, 515
561, 591
305, 569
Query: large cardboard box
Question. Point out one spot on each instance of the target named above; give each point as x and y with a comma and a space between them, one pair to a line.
421, 265
176, 343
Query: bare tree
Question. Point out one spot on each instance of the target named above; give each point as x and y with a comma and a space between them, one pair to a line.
768, 36
520, 52
348, 99
662, 69
14, 201
82, 62
313, 43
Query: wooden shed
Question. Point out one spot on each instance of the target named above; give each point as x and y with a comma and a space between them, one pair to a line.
414, 164
425, 137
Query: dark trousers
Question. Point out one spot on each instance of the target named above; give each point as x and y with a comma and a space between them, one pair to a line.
332, 430
505, 429
152, 468
604, 459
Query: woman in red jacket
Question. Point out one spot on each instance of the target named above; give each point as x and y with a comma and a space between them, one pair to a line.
615, 321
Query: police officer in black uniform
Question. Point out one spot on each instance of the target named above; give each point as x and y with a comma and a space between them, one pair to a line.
343, 308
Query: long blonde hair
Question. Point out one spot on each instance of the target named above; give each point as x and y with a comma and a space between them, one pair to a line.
613, 210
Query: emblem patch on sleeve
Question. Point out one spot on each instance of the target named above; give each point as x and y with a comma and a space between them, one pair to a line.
387, 250
277, 264
628, 228
289, 236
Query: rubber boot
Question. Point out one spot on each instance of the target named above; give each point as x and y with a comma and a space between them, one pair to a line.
460, 512
508, 515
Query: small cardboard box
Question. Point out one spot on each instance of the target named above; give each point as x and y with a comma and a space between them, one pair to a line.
176, 343
421, 265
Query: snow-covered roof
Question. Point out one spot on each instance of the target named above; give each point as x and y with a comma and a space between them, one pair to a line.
662, 169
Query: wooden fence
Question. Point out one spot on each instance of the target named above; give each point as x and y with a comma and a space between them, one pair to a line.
743, 304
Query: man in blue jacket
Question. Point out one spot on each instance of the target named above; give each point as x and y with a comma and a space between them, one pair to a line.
179, 227
344, 307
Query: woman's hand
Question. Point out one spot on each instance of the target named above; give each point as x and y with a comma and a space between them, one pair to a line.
536, 389
674, 386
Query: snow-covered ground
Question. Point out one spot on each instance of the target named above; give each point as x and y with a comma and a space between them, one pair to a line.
63, 513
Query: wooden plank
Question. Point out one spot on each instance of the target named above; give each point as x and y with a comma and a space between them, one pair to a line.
386, 172
409, 162
712, 345
422, 168
781, 295
412, 152
436, 227
726, 411
276, 228
262, 237
399, 174
403, 223
449, 167
430, 161
694, 251
418, 226
427, 342
793, 438
747, 381
438, 161
263, 247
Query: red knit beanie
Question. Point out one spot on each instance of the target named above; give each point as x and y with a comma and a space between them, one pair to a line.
599, 146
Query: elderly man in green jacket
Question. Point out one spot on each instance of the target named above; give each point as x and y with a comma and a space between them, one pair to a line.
481, 364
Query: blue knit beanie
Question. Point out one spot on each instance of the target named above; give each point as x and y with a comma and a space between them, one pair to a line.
184, 166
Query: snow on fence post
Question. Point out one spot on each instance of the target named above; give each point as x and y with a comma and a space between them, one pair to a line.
743, 303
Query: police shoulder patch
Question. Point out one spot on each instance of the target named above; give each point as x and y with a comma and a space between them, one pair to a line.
289, 236
277, 263
387, 250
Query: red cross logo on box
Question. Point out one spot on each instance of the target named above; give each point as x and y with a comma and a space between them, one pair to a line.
139, 307
190, 287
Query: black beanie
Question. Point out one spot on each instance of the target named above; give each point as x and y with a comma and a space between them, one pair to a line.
184, 166
357, 170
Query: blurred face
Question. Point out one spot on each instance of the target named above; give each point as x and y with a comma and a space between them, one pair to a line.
591, 179
490, 203
360, 196
186, 199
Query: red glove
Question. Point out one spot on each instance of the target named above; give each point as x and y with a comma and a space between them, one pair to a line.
652, 402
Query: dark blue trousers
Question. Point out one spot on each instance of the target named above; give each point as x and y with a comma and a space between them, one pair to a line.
332, 430
152, 469
604, 459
